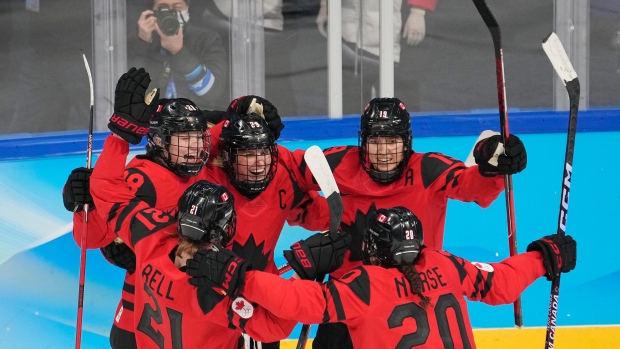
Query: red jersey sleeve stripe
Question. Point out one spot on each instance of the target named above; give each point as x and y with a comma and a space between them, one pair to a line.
326, 316
129, 288
127, 304
335, 295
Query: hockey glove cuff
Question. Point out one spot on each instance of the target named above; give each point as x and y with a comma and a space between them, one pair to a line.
76, 191
120, 255
220, 269
559, 254
320, 254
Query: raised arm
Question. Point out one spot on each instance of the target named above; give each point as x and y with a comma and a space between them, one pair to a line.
502, 283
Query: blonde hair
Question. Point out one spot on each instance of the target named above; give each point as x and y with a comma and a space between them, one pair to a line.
189, 246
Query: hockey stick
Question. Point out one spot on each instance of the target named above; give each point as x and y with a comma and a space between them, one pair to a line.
555, 51
315, 159
496, 34
89, 153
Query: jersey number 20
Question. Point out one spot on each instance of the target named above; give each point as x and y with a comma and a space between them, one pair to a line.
420, 336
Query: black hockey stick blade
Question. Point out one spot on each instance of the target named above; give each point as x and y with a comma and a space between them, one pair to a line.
563, 67
486, 14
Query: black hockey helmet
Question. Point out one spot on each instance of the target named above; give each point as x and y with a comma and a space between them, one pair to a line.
206, 213
394, 236
385, 117
243, 132
174, 116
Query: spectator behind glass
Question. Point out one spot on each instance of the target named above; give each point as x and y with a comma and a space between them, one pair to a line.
360, 49
185, 60
281, 40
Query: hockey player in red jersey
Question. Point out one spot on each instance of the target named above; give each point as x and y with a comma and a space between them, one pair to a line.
177, 151
169, 312
384, 171
405, 295
262, 188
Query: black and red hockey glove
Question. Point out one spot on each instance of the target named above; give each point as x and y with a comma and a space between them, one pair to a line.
132, 115
121, 255
317, 255
241, 105
214, 116
219, 269
559, 254
76, 191
497, 162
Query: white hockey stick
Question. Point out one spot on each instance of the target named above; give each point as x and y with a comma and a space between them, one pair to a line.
557, 55
317, 163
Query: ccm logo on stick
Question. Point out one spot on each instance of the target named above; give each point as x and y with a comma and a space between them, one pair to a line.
303, 259
565, 191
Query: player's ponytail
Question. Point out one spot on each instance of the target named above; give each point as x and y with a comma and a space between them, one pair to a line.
416, 283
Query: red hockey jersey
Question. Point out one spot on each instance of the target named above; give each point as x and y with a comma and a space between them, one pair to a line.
260, 220
425, 186
380, 309
169, 312
146, 181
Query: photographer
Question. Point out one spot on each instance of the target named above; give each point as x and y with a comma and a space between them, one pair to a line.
183, 59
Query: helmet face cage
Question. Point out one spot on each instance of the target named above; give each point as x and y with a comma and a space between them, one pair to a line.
250, 154
178, 136
385, 117
206, 213
185, 153
394, 236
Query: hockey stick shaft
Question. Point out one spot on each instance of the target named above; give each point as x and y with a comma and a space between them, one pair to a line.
89, 153
496, 35
559, 59
315, 159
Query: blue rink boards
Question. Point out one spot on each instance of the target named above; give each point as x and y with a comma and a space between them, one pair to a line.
39, 261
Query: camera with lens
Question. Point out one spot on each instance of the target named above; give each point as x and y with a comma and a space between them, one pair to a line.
167, 20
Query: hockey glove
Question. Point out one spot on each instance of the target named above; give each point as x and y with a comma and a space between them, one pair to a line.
132, 114
214, 116
319, 254
242, 105
220, 269
559, 254
121, 255
495, 158
76, 191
